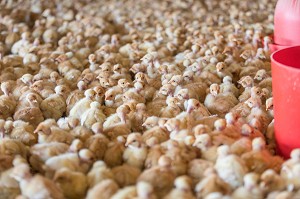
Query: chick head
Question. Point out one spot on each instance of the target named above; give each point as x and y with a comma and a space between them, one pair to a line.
231, 117
267, 178
54, 76
97, 128
258, 144
90, 93
86, 155
76, 145
175, 80
220, 124
123, 83
295, 154
172, 102
144, 189
202, 141
183, 183
172, 124
220, 66
269, 104
99, 91
32, 99
140, 77
134, 140
99, 164
223, 151
246, 54
256, 91
246, 81
192, 104
82, 85
62, 175
188, 76
150, 122
21, 172
227, 79
61, 89
164, 161
6, 88
189, 140
214, 89
201, 129
117, 68
251, 180
182, 94
140, 107
253, 102
260, 75
104, 82
246, 130
166, 89
255, 123
260, 53
27, 79
92, 58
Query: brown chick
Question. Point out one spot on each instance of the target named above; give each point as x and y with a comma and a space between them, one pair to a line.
73, 184
218, 103
196, 168
98, 173
24, 132
208, 150
260, 159
114, 154
104, 190
55, 105
172, 108
211, 183
271, 181
12, 147
48, 131
32, 113
126, 175
161, 177
97, 144
35, 186
7, 102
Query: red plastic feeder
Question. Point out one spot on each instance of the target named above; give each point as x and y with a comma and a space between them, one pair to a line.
286, 25
286, 99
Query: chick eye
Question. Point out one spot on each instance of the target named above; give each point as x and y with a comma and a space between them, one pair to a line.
111, 95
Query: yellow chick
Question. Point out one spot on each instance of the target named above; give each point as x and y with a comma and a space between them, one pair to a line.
99, 172
104, 190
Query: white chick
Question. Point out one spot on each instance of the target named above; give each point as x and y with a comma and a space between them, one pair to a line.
219, 103
35, 186
73, 184
287, 166
145, 191
80, 162
55, 105
250, 189
183, 189
99, 172
92, 115
208, 150
230, 167
136, 152
126, 192
104, 190
82, 105
228, 87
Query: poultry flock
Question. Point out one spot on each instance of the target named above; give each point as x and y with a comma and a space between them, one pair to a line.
139, 99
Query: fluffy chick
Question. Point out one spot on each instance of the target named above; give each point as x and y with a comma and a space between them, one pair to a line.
183, 189
99, 172
104, 190
136, 151
73, 184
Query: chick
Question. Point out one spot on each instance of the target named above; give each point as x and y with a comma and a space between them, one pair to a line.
211, 183
80, 162
99, 172
32, 113
82, 105
157, 134
260, 159
183, 188
250, 189
73, 184
97, 144
145, 191
7, 102
92, 115
126, 175
24, 132
136, 151
126, 192
48, 131
114, 154
104, 189
55, 105
208, 150
35, 186
161, 177
229, 167
12, 147
271, 181
218, 103
172, 108
228, 87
